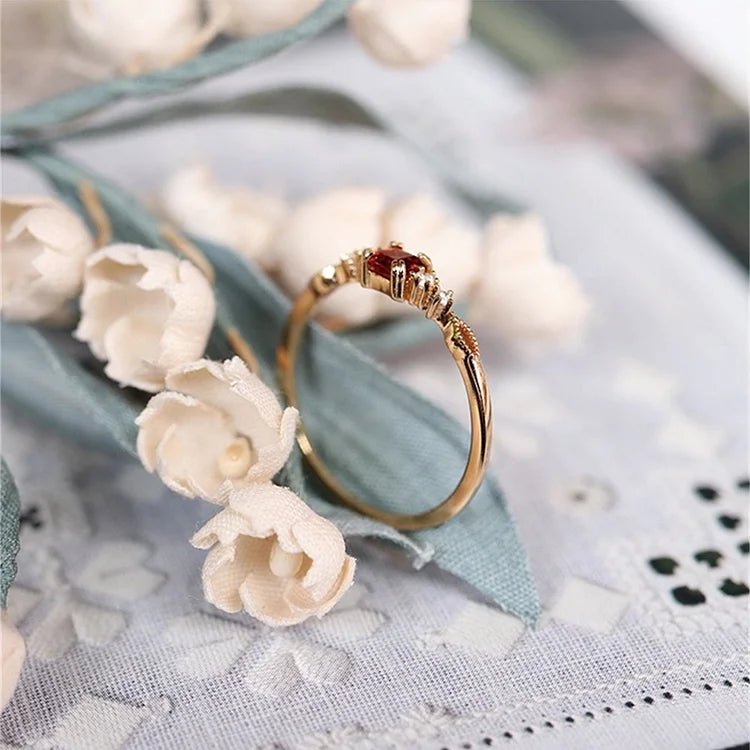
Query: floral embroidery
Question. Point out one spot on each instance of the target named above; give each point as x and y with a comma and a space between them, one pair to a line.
66, 618
212, 645
101, 723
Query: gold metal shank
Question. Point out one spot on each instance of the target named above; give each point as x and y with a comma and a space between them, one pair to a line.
423, 290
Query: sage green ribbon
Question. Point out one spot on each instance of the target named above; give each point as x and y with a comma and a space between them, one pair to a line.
10, 513
220, 58
385, 441
337, 109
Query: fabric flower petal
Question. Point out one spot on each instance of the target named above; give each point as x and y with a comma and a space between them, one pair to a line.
523, 293
409, 33
144, 312
257, 17
44, 247
142, 35
276, 556
240, 219
216, 423
13, 656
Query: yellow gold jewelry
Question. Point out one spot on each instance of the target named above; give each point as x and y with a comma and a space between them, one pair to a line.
405, 278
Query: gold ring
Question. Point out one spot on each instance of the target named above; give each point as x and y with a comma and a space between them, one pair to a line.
405, 278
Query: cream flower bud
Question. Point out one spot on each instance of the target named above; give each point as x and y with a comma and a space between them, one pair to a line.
409, 33
44, 246
273, 557
13, 655
217, 422
238, 218
256, 17
320, 229
140, 35
523, 293
144, 312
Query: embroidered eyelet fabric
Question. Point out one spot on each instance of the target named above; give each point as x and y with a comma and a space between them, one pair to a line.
622, 459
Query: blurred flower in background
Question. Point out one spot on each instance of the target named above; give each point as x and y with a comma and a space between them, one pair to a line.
409, 33
237, 217
51, 46
139, 35
504, 274
43, 249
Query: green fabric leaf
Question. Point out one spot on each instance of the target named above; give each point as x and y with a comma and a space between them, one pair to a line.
10, 514
339, 109
56, 390
386, 442
217, 60
302, 102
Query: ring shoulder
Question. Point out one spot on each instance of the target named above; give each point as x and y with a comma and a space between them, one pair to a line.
459, 338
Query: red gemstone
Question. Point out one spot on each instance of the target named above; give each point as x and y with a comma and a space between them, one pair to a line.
381, 260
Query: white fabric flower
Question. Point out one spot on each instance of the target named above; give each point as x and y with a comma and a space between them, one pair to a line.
144, 312
320, 229
273, 556
256, 17
409, 33
241, 219
339, 221
522, 292
216, 422
140, 35
423, 227
13, 655
44, 246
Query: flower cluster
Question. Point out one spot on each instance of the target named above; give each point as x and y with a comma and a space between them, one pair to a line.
58, 45
505, 273
212, 430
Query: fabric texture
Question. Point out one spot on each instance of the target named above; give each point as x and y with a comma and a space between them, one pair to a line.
272, 556
133, 292
10, 510
212, 411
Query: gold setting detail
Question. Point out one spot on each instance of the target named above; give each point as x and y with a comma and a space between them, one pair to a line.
411, 280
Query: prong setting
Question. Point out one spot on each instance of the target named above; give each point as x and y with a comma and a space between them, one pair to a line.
440, 305
426, 262
404, 277
364, 271
349, 264
398, 280
422, 288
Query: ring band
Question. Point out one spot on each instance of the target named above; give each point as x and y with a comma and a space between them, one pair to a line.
405, 278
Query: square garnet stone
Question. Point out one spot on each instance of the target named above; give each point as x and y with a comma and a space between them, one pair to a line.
379, 263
